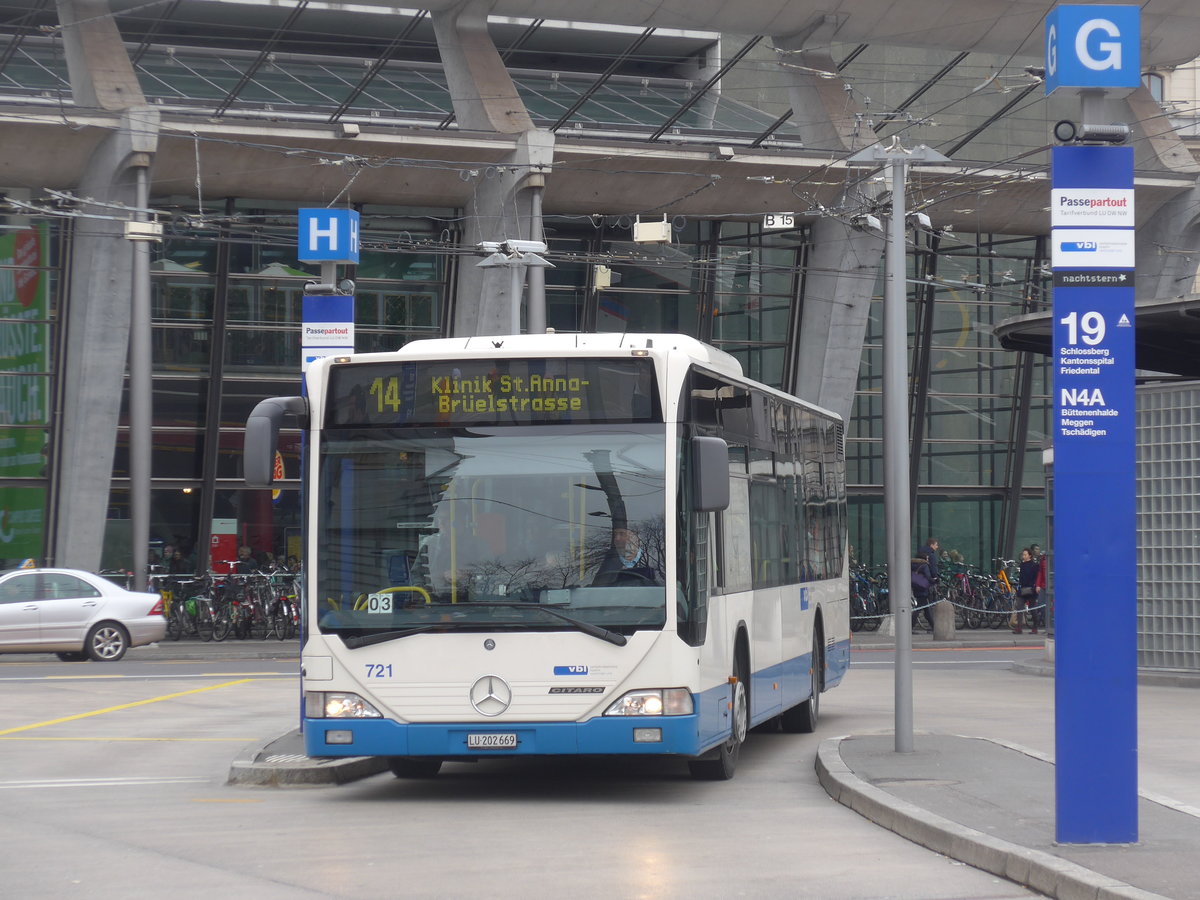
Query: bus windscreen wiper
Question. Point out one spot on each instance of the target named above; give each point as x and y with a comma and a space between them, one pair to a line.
367, 640
379, 637
596, 631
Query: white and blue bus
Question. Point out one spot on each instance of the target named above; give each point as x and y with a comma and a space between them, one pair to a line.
561, 544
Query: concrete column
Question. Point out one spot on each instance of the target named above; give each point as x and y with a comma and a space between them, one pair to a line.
485, 99
501, 208
844, 261
98, 67
484, 96
842, 269
97, 326
97, 323
826, 113
1168, 245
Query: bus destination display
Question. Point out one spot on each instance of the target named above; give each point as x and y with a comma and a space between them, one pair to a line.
493, 392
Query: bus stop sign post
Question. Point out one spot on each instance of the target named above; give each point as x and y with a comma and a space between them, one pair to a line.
328, 237
1090, 50
896, 503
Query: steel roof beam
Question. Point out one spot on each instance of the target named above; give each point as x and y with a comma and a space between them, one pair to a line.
617, 62
708, 86
267, 50
377, 65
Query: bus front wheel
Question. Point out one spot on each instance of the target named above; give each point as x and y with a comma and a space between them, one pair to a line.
414, 766
802, 719
720, 764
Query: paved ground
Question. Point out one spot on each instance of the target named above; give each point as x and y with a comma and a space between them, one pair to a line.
983, 802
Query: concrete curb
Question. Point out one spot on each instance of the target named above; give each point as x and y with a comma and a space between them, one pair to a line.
1044, 668
1034, 869
174, 651
258, 765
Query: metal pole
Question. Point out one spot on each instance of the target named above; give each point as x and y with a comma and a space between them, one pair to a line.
140, 398
535, 306
896, 504
516, 269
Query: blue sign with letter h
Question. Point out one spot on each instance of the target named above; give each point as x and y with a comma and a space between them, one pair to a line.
1093, 47
327, 235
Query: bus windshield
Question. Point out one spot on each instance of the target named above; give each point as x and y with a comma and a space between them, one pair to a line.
475, 528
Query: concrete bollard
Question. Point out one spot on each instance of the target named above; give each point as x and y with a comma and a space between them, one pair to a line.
943, 621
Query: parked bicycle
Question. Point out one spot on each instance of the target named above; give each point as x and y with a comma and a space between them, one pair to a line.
189, 608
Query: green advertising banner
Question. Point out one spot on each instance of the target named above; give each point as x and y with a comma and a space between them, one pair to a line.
24, 387
22, 522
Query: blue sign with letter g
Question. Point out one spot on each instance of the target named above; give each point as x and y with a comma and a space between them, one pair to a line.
1093, 47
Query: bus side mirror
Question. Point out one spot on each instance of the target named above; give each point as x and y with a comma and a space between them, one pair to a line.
710, 474
262, 437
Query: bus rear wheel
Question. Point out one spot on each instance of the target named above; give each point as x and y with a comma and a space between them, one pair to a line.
414, 766
720, 764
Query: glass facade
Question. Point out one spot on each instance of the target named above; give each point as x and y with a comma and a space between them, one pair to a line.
226, 307
976, 458
227, 287
227, 300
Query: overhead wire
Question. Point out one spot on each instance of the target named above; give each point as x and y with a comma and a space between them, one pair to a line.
326, 159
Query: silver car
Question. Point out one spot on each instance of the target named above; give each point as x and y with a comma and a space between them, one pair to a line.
74, 614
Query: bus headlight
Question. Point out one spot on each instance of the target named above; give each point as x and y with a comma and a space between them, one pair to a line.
664, 702
328, 705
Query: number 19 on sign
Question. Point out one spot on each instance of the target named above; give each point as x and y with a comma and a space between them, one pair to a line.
1091, 324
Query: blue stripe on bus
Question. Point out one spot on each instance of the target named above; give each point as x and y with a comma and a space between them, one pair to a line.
602, 735
690, 735
837, 662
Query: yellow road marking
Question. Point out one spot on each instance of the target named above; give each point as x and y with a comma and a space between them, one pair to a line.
100, 712
149, 739
199, 675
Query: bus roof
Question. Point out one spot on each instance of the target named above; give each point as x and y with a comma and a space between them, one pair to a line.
557, 343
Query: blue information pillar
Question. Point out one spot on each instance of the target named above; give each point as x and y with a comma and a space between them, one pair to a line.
1095, 538
1094, 50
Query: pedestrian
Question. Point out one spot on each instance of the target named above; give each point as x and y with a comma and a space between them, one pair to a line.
1027, 592
246, 564
929, 553
179, 564
925, 569
922, 592
1040, 614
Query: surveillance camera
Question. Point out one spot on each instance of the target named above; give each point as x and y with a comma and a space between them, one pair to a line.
486, 247
866, 221
921, 220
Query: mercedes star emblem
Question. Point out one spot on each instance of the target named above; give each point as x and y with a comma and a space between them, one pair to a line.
491, 695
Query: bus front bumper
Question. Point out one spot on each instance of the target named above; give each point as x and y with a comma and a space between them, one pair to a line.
676, 735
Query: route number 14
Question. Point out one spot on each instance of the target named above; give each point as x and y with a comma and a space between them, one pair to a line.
1089, 326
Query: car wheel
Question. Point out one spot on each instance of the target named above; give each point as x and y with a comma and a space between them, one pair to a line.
107, 642
74, 656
